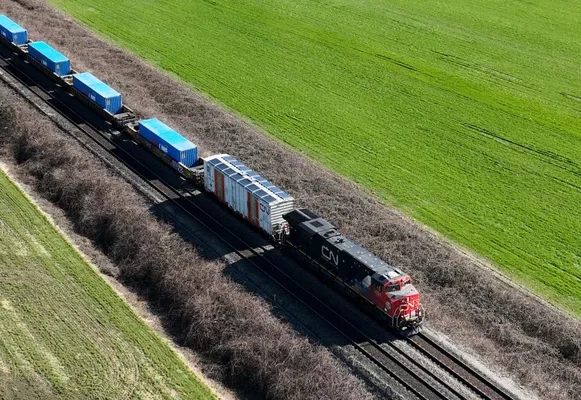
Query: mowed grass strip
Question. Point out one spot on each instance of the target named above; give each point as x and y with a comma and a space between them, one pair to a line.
464, 114
64, 333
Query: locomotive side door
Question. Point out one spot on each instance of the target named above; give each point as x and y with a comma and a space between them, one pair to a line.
253, 212
378, 293
219, 185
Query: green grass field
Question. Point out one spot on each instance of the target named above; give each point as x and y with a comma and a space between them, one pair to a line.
64, 333
465, 113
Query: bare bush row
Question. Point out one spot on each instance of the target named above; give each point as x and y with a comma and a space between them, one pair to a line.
232, 329
537, 344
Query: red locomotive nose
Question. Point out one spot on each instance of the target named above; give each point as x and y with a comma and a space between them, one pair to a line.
403, 299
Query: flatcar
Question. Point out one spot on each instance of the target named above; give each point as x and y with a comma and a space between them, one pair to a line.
388, 291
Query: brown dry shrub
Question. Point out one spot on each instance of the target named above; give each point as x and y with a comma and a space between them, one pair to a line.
538, 344
207, 311
27, 4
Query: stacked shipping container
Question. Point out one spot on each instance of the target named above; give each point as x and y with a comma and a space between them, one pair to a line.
50, 58
101, 94
12, 31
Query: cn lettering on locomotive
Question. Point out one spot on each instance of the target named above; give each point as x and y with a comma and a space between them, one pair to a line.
329, 255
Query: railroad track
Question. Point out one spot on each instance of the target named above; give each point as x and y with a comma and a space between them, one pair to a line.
478, 383
417, 379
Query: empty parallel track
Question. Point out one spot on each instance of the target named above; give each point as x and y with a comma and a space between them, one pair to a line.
477, 382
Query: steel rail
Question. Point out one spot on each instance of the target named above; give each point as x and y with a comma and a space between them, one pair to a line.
483, 386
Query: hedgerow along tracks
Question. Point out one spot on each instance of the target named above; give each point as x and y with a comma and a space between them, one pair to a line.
413, 376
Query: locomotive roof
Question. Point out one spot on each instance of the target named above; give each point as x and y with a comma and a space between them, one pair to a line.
255, 183
330, 232
366, 257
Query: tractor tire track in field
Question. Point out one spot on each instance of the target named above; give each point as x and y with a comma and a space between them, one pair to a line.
111, 366
558, 160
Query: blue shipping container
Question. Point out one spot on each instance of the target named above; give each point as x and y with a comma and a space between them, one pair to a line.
50, 58
12, 31
101, 94
169, 141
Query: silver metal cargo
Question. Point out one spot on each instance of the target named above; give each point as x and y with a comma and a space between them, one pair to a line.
247, 193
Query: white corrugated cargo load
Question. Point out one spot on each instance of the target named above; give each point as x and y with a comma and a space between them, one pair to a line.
247, 193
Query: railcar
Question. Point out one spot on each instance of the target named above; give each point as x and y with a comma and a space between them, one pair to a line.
388, 291
248, 194
102, 98
88, 89
160, 144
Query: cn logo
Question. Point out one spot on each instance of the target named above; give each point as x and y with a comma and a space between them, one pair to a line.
264, 209
329, 255
163, 148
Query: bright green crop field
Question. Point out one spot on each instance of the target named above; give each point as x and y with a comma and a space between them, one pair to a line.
465, 114
64, 332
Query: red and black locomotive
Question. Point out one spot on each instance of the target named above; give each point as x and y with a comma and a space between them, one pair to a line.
387, 290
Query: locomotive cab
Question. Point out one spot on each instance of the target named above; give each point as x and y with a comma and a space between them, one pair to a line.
403, 303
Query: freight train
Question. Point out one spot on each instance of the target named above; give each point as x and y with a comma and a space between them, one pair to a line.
384, 289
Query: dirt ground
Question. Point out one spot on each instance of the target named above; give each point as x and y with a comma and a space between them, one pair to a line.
513, 332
